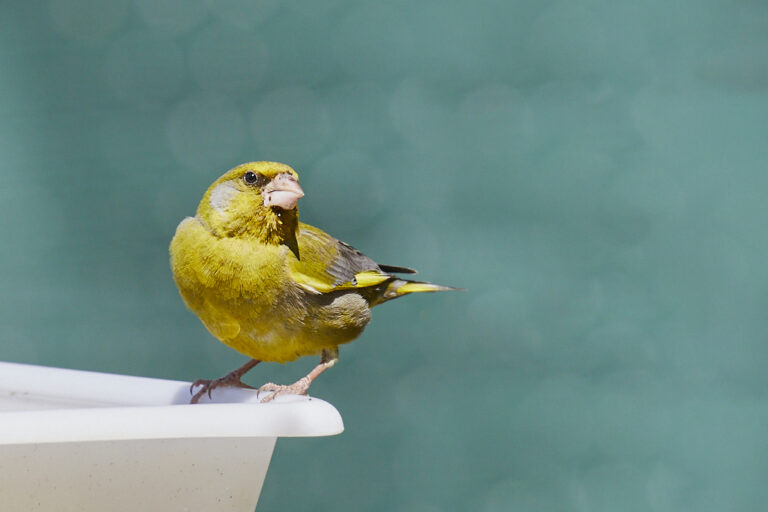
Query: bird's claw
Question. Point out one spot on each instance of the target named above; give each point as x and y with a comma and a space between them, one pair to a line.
209, 385
200, 382
300, 387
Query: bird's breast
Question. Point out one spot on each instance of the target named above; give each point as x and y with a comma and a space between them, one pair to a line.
243, 293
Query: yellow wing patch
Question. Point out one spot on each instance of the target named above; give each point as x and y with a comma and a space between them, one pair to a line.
416, 287
369, 278
309, 283
317, 286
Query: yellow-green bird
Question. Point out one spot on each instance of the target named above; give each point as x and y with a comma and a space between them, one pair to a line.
269, 286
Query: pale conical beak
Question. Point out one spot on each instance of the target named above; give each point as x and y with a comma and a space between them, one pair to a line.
283, 191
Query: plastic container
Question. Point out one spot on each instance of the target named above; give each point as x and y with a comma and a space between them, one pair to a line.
83, 441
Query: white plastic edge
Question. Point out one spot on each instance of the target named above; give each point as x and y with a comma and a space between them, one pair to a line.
118, 407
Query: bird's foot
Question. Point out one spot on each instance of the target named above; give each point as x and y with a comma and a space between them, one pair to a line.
300, 387
232, 379
229, 380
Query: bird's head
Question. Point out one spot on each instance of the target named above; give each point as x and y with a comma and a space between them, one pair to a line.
254, 199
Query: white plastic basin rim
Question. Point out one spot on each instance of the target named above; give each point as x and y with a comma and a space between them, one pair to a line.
83, 441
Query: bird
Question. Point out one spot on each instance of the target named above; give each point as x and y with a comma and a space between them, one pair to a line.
271, 287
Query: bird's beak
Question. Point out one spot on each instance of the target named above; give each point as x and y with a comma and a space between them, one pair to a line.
283, 191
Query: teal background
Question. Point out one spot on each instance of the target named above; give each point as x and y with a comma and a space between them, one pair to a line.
593, 172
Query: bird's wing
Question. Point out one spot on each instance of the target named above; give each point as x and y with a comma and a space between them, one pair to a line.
325, 264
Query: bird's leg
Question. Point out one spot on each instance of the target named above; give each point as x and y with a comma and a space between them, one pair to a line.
301, 386
230, 379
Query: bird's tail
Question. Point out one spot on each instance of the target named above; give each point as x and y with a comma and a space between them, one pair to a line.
399, 287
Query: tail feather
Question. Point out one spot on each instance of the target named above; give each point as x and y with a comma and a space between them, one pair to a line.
399, 287
420, 286
391, 269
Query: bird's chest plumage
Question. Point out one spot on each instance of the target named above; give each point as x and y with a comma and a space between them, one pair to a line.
242, 293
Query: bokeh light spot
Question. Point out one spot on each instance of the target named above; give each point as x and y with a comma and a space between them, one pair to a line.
205, 131
244, 13
157, 75
173, 17
291, 124
88, 19
227, 60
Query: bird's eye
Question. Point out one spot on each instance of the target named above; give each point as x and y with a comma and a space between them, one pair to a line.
251, 178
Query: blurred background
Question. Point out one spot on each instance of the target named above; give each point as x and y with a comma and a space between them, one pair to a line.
592, 171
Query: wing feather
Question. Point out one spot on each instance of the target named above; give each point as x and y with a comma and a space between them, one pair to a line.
327, 264
391, 269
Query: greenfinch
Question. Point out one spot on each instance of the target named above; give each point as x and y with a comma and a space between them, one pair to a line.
269, 286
